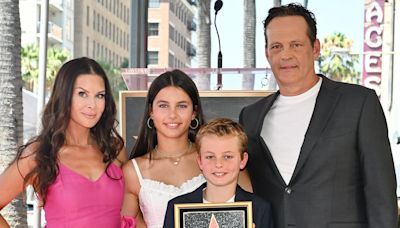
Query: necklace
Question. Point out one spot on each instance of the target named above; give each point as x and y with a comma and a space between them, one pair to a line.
177, 158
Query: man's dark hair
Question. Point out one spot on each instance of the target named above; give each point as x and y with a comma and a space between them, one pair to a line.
293, 9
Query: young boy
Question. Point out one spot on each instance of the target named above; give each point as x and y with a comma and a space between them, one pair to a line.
221, 147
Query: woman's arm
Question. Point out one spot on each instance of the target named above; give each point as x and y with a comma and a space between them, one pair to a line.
130, 205
12, 179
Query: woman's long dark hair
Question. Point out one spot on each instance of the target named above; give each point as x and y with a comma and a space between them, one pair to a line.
55, 119
147, 138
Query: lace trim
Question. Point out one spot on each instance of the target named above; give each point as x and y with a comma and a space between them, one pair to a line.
163, 187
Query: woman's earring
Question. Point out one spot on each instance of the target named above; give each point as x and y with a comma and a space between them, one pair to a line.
148, 123
196, 125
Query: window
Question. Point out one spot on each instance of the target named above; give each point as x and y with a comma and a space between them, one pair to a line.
153, 29
154, 3
106, 28
123, 14
94, 20
170, 60
87, 46
124, 42
152, 57
102, 25
176, 36
127, 15
127, 41
117, 36
87, 16
94, 49
113, 32
171, 32
98, 23
120, 10
119, 42
109, 30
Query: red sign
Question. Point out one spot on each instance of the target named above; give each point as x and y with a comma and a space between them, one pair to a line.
373, 33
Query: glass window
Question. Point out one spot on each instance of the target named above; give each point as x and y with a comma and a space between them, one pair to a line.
170, 60
153, 29
94, 49
87, 16
152, 57
171, 32
154, 3
94, 20
87, 46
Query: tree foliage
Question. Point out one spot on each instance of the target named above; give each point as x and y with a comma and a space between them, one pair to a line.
114, 76
336, 60
30, 65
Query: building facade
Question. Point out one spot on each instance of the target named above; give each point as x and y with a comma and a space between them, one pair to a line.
102, 30
170, 28
98, 29
381, 64
60, 23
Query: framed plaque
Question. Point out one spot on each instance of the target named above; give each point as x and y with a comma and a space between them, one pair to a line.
214, 215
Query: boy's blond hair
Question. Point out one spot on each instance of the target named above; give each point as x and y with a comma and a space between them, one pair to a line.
223, 127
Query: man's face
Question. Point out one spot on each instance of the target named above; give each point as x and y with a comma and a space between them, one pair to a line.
291, 54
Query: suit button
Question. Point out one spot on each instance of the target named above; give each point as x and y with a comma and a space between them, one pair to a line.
288, 190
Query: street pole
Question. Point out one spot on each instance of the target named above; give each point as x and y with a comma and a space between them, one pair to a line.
44, 13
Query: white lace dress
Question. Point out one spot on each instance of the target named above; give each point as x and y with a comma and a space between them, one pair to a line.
154, 196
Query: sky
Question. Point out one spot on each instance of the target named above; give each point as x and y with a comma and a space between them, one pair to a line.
345, 16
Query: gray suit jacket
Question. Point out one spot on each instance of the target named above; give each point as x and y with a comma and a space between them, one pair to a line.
344, 176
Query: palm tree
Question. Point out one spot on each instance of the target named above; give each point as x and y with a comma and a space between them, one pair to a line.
11, 121
277, 3
114, 76
336, 61
30, 63
249, 42
203, 43
55, 59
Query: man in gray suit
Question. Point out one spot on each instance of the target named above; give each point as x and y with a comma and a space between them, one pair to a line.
318, 149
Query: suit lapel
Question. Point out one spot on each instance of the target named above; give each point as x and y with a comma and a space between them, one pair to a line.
260, 122
324, 107
241, 195
265, 107
271, 162
196, 196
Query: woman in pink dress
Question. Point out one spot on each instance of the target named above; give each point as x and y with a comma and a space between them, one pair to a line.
74, 164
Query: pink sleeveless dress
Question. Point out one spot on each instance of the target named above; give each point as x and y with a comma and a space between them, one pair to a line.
75, 201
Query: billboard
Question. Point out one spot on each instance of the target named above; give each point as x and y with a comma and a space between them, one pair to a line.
373, 41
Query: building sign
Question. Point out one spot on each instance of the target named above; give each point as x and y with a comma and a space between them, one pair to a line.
373, 41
